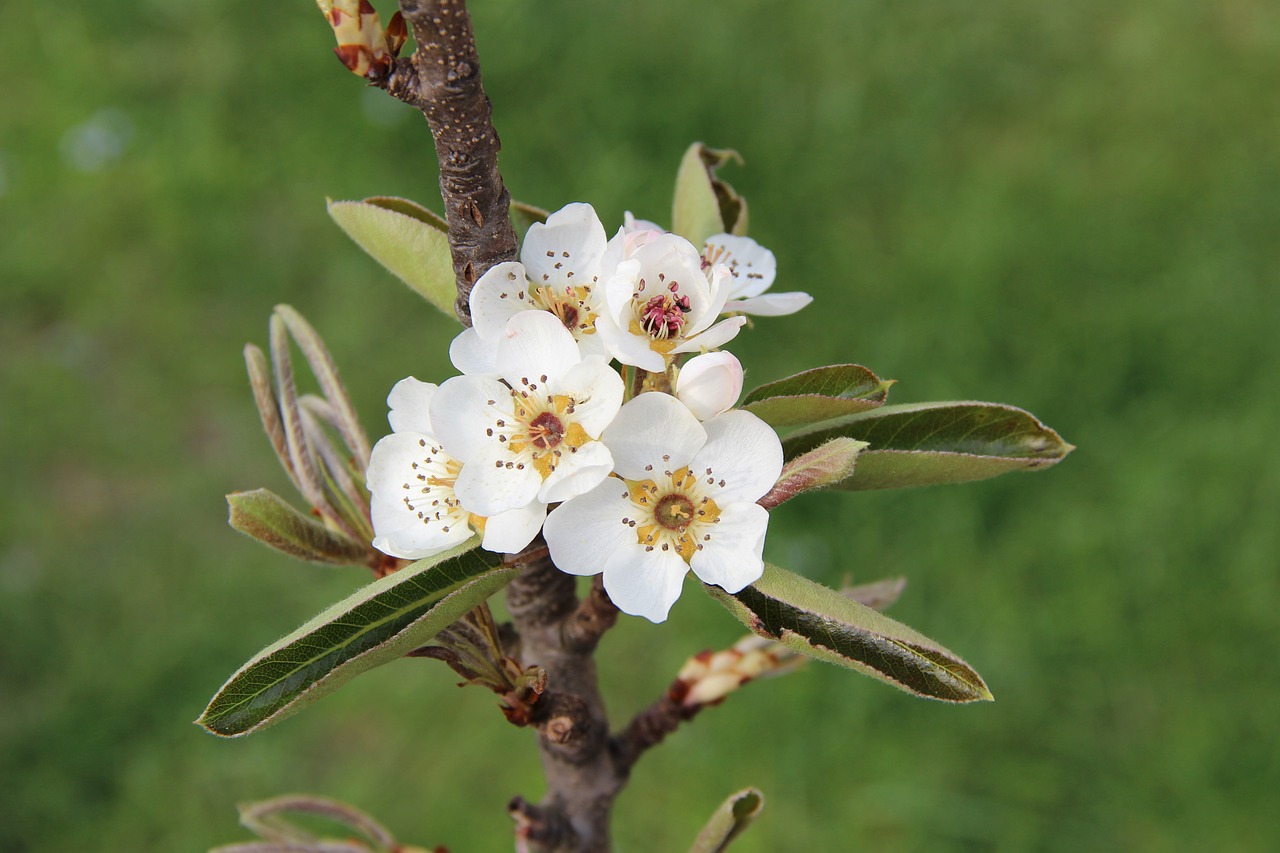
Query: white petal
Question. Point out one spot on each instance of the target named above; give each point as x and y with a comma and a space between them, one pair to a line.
535, 344
710, 384
581, 532
499, 295
417, 541
463, 408
670, 264
511, 531
572, 240
742, 451
718, 284
753, 266
472, 355
577, 471
718, 335
487, 486
629, 348
631, 224
410, 402
597, 389
654, 431
731, 559
770, 304
644, 583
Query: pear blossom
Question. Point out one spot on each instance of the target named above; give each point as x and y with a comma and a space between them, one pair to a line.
532, 433
710, 383
752, 268
684, 498
414, 507
559, 271
659, 303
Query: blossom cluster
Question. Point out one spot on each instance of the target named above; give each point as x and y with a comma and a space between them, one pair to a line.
641, 472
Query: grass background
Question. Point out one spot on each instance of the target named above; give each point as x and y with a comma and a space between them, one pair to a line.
1068, 207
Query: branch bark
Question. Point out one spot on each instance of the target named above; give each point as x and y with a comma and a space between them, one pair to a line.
442, 79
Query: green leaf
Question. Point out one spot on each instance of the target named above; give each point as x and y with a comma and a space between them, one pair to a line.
822, 623
379, 623
817, 395
408, 240
729, 821
703, 204
923, 444
825, 465
268, 518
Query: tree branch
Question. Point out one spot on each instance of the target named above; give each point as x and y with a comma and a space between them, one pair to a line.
442, 79
559, 635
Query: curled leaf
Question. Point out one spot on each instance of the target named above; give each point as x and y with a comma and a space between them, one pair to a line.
822, 623
729, 821
268, 518
921, 444
704, 205
817, 395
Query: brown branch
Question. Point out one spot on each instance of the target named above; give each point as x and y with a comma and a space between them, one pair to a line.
442, 79
559, 635
652, 725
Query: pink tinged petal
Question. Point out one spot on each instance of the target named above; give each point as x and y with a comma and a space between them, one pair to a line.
654, 432
731, 559
577, 471
771, 304
581, 532
499, 295
597, 392
410, 402
718, 335
630, 224
753, 266
511, 531
710, 384
465, 409
496, 481
571, 241
644, 583
743, 453
535, 344
471, 355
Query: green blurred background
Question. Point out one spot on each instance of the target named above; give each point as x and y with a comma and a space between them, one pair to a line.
1071, 207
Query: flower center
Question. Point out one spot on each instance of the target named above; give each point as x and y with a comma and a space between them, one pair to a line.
674, 512
663, 315
570, 305
546, 431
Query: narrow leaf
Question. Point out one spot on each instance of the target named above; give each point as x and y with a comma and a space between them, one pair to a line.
824, 466
729, 821
822, 623
379, 623
817, 395
269, 819
924, 444
268, 518
410, 208
407, 242
878, 595
703, 204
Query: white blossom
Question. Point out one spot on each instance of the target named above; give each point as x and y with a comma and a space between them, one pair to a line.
559, 271
658, 302
684, 498
530, 434
752, 268
710, 383
414, 507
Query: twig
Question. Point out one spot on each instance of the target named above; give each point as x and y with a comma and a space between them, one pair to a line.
442, 79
